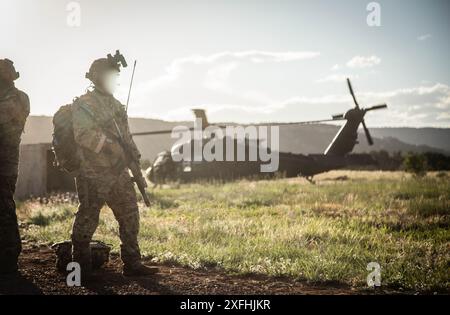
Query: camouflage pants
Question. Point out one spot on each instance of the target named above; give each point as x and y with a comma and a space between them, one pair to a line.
10, 244
119, 194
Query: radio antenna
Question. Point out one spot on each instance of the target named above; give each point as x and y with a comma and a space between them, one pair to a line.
131, 85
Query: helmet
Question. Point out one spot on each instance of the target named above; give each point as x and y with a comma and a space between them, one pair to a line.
7, 70
103, 65
98, 68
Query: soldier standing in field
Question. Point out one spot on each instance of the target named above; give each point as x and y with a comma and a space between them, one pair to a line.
103, 176
14, 110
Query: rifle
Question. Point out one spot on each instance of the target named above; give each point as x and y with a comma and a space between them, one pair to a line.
133, 165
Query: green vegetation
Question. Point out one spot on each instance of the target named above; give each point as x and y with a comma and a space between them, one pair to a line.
416, 164
324, 232
412, 162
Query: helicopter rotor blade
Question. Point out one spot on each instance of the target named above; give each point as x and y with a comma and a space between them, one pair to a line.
375, 107
199, 113
303, 122
366, 131
352, 93
161, 132
338, 116
156, 132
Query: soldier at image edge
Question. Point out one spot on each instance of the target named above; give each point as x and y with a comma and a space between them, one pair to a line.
99, 121
14, 110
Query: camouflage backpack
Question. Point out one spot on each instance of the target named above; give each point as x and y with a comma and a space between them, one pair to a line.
63, 143
63, 250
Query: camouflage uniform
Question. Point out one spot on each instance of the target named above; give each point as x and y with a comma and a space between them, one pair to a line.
103, 176
14, 110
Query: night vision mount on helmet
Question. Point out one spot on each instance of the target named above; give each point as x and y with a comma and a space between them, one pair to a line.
100, 66
117, 59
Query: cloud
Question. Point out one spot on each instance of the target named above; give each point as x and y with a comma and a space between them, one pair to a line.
336, 67
363, 62
443, 116
413, 106
209, 78
254, 56
245, 87
424, 37
337, 78
219, 66
354, 63
217, 78
435, 96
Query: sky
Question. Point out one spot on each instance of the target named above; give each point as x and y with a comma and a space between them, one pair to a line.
242, 60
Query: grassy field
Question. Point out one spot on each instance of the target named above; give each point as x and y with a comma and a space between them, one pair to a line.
287, 227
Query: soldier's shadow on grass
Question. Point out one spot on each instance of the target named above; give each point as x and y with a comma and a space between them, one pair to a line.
18, 284
112, 283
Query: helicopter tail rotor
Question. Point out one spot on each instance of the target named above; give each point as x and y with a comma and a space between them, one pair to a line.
352, 93
201, 114
366, 131
364, 110
381, 106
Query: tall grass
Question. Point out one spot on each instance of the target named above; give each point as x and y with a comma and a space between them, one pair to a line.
324, 232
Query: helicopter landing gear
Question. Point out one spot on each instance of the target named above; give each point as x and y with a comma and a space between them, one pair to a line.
308, 178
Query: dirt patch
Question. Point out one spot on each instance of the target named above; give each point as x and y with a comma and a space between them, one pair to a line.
39, 276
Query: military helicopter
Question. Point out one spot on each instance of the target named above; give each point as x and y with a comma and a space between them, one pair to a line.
337, 154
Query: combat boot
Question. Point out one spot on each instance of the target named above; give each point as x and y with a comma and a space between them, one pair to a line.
81, 253
9, 270
8, 263
138, 270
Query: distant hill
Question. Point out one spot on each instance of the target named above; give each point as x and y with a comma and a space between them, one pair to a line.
293, 138
434, 137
